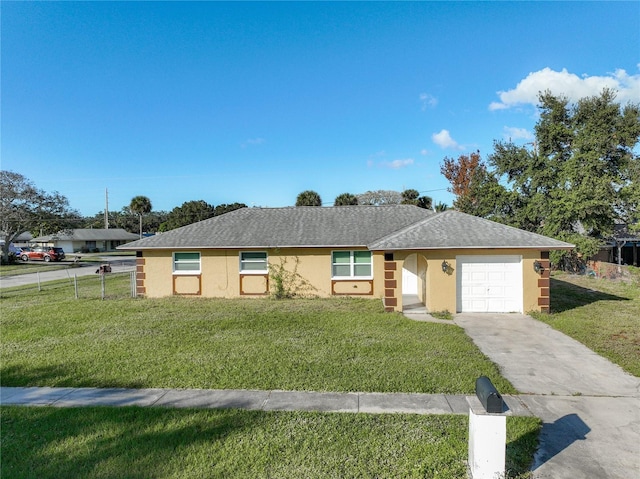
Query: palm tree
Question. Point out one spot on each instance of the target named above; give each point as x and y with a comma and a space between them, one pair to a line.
140, 205
308, 198
410, 197
441, 207
345, 199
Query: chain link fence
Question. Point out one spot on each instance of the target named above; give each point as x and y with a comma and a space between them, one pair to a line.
601, 269
99, 286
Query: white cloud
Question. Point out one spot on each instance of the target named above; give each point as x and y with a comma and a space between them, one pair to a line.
397, 164
569, 85
377, 159
444, 140
427, 101
513, 133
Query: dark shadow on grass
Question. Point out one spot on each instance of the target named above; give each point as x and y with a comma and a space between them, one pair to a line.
566, 296
128, 442
520, 453
56, 375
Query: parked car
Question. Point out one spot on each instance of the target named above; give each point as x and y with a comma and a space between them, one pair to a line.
46, 253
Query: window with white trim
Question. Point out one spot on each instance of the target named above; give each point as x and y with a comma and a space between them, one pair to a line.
351, 264
186, 262
253, 262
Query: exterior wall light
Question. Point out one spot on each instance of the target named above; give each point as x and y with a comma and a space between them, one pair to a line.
445, 266
537, 267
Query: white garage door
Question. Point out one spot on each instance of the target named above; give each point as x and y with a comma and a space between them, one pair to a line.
489, 284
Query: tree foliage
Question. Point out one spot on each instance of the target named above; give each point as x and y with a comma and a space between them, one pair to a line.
189, 212
629, 206
345, 199
425, 202
224, 208
24, 207
577, 181
461, 172
128, 221
379, 197
412, 197
308, 198
440, 207
409, 197
194, 211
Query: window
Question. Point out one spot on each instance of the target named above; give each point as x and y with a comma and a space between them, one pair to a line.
184, 262
253, 262
351, 264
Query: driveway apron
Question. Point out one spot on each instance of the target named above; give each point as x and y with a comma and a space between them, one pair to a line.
590, 407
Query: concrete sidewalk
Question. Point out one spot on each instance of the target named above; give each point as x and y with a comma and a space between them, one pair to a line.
356, 402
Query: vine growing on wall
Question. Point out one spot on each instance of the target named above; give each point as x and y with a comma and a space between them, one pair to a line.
287, 283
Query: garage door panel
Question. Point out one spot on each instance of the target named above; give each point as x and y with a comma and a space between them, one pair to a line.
477, 291
489, 283
478, 276
495, 276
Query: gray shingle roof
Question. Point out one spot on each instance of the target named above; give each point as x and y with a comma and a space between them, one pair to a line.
376, 227
452, 229
89, 234
622, 232
304, 226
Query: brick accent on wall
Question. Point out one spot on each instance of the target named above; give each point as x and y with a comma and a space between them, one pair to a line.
544, 299
141, 290
391, 285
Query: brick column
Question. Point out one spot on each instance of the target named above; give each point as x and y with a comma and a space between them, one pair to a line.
390, 286
544, 283
140, 277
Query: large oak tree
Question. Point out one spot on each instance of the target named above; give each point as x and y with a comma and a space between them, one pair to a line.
24, 207
577, 181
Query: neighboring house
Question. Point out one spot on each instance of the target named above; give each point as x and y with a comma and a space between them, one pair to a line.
621, 248
87, 240
450, 260
21, 240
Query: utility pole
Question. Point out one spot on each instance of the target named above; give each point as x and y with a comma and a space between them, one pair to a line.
106, 209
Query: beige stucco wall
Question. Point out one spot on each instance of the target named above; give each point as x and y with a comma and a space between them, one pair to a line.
220, 275
440, 288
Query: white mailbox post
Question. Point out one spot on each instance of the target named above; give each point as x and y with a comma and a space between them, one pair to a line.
487, 433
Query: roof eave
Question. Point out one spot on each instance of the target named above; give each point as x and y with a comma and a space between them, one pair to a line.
192, 247
431, 248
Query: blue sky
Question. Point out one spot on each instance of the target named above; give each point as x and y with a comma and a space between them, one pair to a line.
256, 102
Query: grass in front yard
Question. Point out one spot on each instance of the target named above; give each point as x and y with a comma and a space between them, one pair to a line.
602, 314
134, 442
318, 344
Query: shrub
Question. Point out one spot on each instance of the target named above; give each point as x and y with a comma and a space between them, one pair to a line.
285, 283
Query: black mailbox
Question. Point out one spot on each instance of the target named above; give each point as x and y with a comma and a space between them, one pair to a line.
488, 395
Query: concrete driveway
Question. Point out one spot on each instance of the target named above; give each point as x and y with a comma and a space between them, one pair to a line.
590, 407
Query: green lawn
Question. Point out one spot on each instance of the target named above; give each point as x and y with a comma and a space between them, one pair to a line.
181, 443
316, 344
50, 339
603, 314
